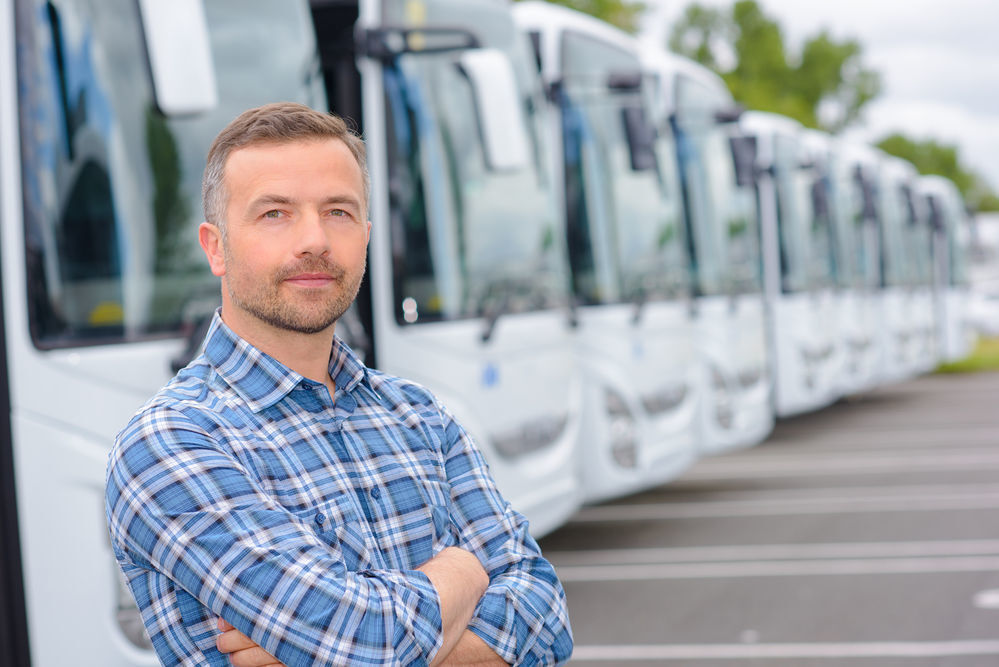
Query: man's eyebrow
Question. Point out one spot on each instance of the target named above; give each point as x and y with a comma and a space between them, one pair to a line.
268, 200
349, 200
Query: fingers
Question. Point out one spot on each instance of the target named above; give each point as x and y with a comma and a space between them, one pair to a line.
253, 657
232, 641
243, 651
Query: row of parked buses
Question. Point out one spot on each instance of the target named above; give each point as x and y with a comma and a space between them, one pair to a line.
601, 265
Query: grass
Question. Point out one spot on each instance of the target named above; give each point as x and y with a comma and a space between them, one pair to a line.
985, 357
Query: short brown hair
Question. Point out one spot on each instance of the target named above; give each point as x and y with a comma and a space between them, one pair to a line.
280, 122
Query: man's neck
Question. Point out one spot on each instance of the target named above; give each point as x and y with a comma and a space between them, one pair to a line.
306, 354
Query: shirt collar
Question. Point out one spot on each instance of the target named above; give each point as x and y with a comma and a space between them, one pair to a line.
262, 380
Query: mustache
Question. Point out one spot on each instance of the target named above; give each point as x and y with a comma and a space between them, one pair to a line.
312, 265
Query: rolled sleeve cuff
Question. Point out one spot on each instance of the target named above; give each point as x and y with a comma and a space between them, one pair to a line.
419, 632
530, 637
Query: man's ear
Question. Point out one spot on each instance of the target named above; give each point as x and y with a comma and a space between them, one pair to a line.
210, 239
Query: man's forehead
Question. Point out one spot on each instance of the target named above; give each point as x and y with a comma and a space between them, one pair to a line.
277, 152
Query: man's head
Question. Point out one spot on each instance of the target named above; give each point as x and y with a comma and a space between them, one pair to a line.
285, 192
280, 122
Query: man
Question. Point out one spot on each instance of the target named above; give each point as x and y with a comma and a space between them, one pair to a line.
314, 510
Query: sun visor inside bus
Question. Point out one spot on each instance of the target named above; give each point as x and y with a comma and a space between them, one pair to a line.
501, 116
180, 57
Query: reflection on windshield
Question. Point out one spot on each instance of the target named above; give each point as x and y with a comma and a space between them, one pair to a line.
112, 188
466, 239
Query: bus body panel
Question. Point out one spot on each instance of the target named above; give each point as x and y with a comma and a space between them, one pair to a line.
737, 411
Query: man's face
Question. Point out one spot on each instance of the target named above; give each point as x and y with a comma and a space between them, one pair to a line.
296, 235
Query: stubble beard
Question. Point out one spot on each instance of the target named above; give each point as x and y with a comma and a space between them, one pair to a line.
306, 314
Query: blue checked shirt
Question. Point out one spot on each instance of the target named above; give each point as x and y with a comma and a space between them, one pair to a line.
242, 490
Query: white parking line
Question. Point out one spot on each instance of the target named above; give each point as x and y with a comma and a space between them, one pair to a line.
860, 440
679, 492
745, 552
810, 464
852, 504
940, 649
776, 568
988, 599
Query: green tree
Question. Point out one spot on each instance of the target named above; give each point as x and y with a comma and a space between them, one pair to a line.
621, 13
826, 85
933, 157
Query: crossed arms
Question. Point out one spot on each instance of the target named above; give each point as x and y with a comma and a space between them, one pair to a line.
460, 581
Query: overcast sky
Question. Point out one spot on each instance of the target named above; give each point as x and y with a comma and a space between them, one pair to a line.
939, 62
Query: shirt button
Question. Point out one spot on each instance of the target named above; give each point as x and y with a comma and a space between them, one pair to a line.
376, 493
320, 518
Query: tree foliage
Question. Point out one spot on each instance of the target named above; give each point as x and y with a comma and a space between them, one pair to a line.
932, 157
621, 13
826, 85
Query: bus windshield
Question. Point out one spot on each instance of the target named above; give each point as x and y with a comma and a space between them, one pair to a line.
112, 188
856, 218
897, 262
806, 254
625, 239
919, 238
462, 246
721, 214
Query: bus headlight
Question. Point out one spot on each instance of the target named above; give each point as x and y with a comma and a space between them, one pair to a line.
621, 430
724, 413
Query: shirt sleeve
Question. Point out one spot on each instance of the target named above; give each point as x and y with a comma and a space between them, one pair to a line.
523, 615
181, 506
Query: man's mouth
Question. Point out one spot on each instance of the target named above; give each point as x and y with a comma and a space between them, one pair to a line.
310, 279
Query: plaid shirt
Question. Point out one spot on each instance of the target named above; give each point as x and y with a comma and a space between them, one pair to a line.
242, 490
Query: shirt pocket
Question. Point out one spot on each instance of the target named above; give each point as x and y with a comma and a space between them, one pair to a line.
338, 524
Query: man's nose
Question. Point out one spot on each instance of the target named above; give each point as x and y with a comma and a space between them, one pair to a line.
312, 235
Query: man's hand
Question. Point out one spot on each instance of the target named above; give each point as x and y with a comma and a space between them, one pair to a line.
243, 651
471, 651
460, 581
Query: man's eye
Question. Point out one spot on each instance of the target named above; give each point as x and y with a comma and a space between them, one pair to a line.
338, 212
273, 214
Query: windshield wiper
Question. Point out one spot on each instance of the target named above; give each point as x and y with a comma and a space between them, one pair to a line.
504, 295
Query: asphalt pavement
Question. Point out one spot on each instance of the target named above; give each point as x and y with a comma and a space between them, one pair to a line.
862, 535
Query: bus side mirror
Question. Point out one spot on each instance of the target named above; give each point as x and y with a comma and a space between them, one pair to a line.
744, 157
180, 56
502, 124
641, 135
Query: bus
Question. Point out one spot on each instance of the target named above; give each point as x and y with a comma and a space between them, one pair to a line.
906, 296
799, 269
951, 229
624, 230
105, 120
717, 166
852, 200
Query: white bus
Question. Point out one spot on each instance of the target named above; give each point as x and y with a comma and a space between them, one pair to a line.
106, 114
624, 217
906, 297
951, 227
798, 268
852, 193
717, 172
